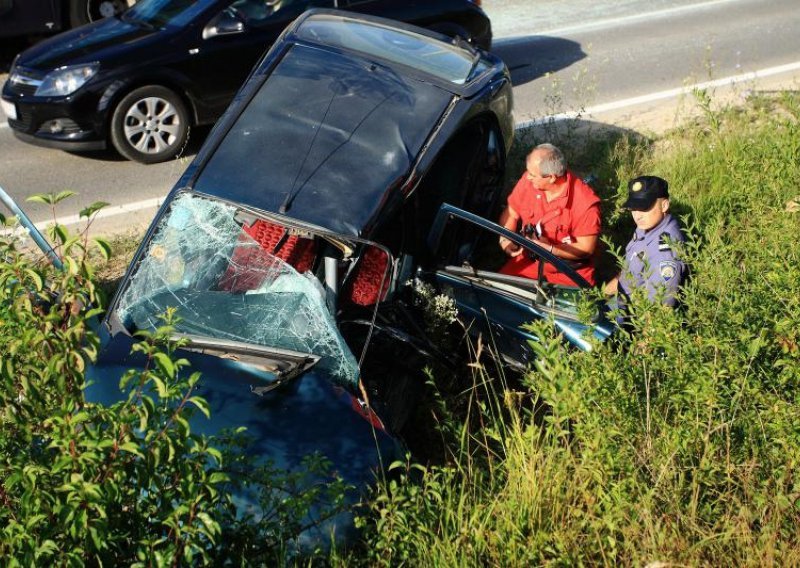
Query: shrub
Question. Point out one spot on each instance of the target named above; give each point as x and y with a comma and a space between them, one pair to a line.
131, 483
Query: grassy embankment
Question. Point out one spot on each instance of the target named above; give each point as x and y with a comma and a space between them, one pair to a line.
678, 444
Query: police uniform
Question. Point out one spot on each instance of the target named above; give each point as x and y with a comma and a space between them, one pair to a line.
651, 256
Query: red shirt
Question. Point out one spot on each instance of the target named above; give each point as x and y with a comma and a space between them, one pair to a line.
574, 213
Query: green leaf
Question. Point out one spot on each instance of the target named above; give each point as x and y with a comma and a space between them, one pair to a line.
103, 246
211, 526
201, 405
45, 198
62, 195
165, 364
36, 277
96, 540
161, 386
131, 448
93, 208
218, 477
57, 233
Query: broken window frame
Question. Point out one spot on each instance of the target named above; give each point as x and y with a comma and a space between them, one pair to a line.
351, 247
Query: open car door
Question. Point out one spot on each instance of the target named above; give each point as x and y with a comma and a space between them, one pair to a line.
469, 259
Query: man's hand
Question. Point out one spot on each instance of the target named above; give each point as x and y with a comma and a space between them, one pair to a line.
510, 248
611, 287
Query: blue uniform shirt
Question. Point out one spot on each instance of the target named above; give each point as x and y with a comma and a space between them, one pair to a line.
652, 263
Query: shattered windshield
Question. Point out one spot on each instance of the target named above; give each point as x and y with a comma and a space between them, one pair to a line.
236, 277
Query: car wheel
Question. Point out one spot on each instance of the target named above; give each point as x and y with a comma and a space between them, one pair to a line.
85, 11
150, 125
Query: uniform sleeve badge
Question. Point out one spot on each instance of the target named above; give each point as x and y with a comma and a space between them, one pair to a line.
668, 269
665, 242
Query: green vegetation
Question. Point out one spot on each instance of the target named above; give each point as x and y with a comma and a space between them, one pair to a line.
130, 483
676, 444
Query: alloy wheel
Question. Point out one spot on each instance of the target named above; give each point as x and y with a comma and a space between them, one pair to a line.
152, 125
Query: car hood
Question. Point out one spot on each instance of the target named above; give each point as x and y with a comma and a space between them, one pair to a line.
307, 415
98, 41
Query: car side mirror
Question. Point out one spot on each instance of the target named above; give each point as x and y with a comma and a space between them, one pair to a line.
225, 23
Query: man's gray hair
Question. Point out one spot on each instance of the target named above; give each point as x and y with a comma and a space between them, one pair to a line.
551, 161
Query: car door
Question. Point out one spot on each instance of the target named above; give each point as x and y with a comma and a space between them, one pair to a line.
468, 261
222, 57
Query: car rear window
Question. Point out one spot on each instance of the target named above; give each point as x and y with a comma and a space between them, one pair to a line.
447, 62
325, 139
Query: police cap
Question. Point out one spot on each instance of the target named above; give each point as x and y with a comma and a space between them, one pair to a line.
643, 192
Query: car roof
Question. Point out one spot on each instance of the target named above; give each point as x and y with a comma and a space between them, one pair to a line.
329, 134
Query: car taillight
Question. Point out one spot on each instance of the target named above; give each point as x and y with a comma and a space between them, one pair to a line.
367, 414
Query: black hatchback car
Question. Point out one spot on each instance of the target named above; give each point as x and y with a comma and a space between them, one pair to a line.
140, 80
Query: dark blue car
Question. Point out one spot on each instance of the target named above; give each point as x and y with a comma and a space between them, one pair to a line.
361, 160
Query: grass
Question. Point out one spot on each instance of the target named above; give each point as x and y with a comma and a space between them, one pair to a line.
678, 444
109, 273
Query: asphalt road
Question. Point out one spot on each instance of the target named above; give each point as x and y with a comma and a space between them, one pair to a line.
564, 56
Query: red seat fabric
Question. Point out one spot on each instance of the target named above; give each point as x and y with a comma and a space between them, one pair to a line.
368, 276
296, 251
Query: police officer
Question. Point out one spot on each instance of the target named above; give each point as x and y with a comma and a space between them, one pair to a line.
650, 257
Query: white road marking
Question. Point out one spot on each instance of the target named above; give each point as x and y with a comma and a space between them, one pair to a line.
108, 211
668, 94
623, 20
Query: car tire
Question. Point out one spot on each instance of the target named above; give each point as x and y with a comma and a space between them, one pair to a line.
85, 11
150, 125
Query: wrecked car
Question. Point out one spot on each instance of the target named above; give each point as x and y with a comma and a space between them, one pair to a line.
360, 156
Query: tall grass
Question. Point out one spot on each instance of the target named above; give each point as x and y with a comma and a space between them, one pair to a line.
678, 443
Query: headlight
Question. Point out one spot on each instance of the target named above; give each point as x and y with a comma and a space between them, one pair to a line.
66, 80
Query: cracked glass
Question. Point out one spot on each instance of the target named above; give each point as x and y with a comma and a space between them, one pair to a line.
235, 277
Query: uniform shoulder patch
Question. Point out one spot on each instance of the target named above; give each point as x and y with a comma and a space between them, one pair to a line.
665, 241
668, 269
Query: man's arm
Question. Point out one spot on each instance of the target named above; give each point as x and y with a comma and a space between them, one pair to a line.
510, 220
582, 247
585, 241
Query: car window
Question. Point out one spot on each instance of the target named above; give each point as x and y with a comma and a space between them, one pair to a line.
255, 12
230, 275
442, 60
161, 13
302, 144
471, 251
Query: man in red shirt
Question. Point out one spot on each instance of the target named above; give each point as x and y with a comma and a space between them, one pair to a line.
558, 212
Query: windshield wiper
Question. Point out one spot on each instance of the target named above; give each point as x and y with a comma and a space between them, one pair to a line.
284, 364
